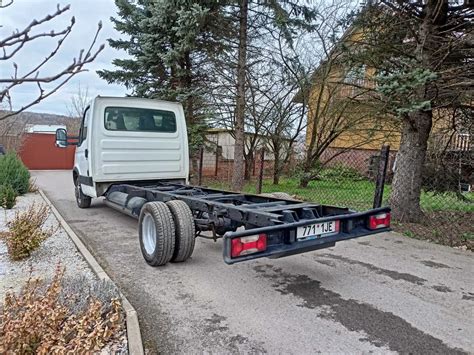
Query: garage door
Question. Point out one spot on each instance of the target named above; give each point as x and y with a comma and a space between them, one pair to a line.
38, 152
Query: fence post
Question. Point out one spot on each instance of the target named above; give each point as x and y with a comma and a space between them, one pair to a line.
260, 173
201, 156
254, 163
216, 171
381, 172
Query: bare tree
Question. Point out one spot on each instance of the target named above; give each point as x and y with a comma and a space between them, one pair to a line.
258, 111
284, 126
336, 108
11, 46
332, 92
78, 102
76, 107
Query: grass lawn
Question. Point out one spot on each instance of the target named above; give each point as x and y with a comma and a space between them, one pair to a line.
356, 194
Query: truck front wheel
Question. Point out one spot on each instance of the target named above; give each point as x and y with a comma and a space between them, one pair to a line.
82, 200
156, 232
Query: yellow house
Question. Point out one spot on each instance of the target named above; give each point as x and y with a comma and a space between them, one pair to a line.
343, 113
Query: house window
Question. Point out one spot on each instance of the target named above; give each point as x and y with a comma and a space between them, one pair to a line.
462, 142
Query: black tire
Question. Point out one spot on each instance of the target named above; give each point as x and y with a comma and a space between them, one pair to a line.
184, 230
158, 216
82, 200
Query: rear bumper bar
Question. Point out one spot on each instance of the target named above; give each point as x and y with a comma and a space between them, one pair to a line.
282, 239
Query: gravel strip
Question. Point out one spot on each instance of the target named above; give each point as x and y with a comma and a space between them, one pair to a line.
56, 250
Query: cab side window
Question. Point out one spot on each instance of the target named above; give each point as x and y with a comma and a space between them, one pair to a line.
84, 125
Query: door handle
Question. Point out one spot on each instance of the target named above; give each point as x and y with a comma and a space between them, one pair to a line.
86, 153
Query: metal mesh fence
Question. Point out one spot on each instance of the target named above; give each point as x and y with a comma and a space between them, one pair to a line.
347, 178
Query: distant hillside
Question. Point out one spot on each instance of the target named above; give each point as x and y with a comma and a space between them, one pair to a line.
16, 124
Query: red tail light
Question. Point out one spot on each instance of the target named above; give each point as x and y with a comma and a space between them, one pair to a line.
248, 245
381, 220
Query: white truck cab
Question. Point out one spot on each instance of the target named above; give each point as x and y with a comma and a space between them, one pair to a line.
128, 139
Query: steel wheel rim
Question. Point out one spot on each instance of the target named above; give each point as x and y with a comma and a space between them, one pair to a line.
149, 233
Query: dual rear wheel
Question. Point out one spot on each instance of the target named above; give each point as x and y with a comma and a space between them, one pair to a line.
166, 232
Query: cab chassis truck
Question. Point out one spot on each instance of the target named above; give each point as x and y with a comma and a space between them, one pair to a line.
134, 152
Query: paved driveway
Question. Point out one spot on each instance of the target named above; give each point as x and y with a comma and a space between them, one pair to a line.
383, 293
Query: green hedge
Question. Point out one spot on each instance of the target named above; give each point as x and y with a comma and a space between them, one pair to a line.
14, 173
7, 196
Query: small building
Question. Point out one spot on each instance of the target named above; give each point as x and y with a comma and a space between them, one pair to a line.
39, 152
42, 128
218, 155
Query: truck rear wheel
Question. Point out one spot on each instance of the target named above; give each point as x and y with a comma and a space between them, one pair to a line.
184, 229
156, 233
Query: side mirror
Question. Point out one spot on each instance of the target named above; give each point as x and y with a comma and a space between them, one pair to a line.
61, 138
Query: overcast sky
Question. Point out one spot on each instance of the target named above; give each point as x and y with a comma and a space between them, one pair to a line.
87, 13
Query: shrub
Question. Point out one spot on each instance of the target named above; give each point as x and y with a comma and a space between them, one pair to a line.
39, 320
7, 196
340, 172
26, 231
14, 172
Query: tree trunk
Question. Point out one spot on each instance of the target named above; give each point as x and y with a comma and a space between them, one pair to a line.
276, 168
305, 176
406, 187
276, 178
416, 128
304, 181
276, 162
249, 164
238, 175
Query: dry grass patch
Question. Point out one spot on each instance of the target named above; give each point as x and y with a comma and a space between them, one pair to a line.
51, 318
33, 187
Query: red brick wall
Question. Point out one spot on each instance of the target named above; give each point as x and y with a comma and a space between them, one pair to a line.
38, 152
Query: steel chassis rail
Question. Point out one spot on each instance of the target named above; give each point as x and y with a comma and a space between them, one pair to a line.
247, 209
225, 211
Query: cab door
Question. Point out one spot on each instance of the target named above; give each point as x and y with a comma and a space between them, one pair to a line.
82, 155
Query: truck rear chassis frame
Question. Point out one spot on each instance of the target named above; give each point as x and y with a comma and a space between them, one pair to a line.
223, 212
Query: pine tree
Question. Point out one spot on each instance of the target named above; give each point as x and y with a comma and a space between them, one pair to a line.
171, 44
174, 45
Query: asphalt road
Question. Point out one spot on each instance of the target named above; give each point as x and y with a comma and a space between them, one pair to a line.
382, 293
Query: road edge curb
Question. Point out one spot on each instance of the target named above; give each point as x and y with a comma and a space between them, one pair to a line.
135, 344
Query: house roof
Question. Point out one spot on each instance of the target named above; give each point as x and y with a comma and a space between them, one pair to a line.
42, 128
218, 130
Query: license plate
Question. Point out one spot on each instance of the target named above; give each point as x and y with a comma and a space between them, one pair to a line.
317, 230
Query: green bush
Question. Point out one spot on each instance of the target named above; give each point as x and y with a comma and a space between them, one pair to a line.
13, 172
7, 196
340, 172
